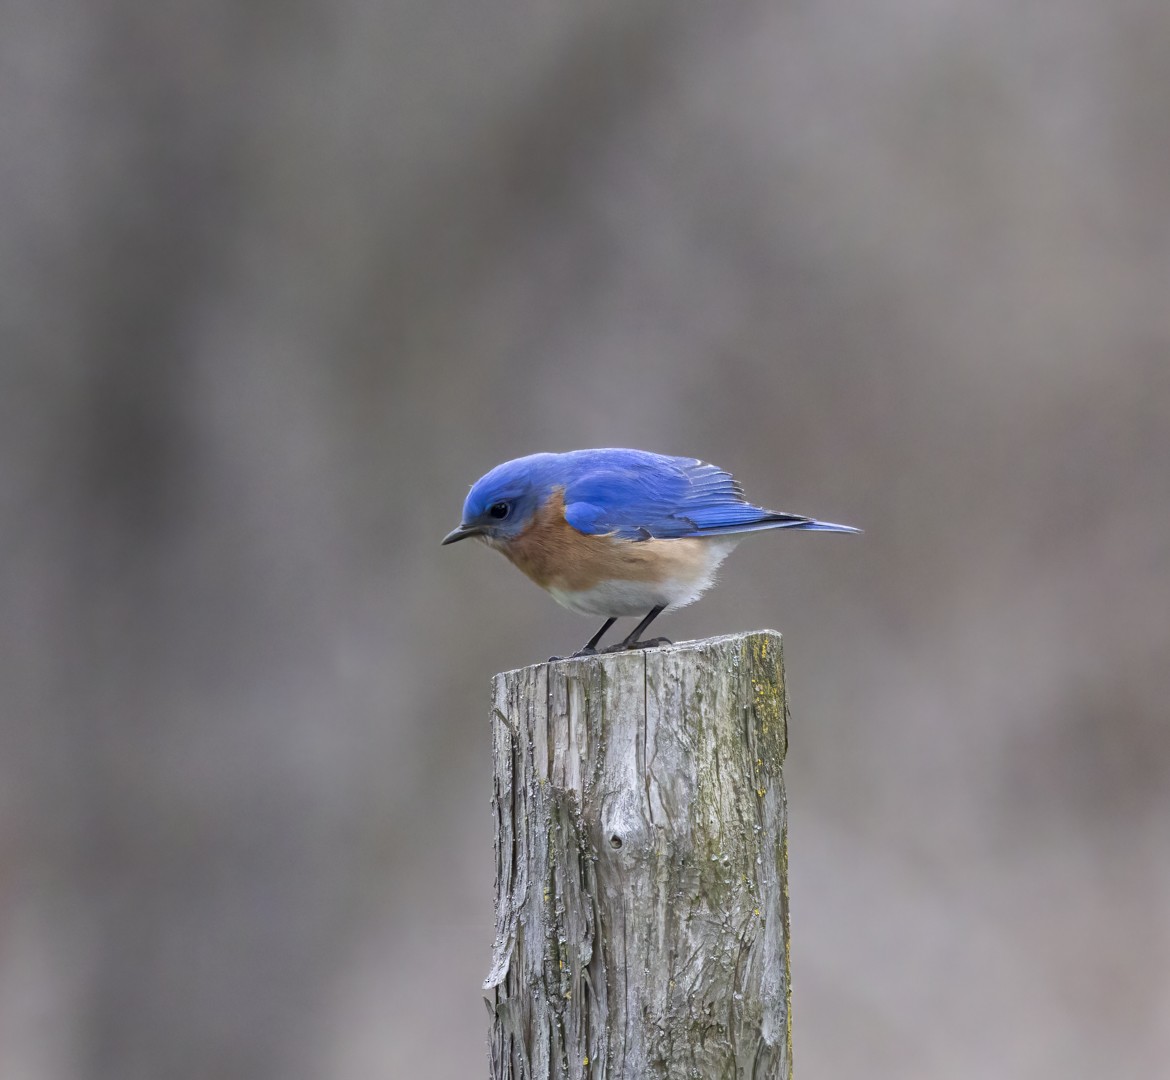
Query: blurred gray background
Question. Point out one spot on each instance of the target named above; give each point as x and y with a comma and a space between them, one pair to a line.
281, 281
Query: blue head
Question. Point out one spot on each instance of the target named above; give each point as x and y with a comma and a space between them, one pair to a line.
502, 504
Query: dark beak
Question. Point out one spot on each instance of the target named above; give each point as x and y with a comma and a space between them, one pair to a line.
462, 533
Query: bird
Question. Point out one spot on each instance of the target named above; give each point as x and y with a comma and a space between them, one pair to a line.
617, 532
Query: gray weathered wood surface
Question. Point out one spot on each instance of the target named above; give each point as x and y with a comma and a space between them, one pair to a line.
641, 866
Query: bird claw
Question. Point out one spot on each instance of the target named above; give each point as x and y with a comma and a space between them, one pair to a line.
650, 643
586, 651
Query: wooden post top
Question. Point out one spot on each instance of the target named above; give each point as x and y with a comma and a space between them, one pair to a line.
695, 648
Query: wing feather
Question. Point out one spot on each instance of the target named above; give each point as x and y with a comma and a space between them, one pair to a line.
640, 496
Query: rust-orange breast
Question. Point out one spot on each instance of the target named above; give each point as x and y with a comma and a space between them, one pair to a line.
555, 555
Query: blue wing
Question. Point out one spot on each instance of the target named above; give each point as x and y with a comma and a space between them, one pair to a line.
641, 496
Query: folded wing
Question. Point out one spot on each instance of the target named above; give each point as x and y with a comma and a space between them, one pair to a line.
641, 496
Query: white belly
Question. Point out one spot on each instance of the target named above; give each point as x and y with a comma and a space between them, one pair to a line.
621, 597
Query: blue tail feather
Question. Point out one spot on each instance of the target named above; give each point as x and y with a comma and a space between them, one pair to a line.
827, 526
769, 521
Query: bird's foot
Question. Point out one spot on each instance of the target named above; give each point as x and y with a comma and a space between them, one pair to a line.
621, 646
651, 643
588, 650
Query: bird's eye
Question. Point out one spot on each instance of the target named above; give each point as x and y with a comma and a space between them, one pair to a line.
499, 510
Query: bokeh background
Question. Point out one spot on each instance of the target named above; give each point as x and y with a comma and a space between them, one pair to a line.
280, 281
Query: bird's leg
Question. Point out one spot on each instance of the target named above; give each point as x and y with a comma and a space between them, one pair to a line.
636, 633
590, 647
632, 642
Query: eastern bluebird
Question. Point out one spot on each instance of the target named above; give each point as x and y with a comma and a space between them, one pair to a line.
617, 532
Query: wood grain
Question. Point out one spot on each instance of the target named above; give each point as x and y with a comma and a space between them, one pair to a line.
641, 865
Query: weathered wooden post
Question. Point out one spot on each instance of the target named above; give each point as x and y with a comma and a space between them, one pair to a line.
641, 866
